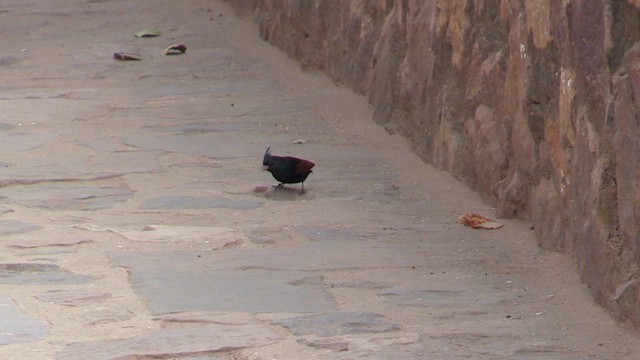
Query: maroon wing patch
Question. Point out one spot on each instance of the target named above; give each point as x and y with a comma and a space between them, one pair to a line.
304, 166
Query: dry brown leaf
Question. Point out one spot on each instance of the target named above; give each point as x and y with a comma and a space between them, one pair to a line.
477, 221
122, 56
175, 49
153, 32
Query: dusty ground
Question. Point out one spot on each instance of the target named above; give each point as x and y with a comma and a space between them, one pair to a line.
132, 227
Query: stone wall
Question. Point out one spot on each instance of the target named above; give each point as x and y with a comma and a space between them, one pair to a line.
534, 104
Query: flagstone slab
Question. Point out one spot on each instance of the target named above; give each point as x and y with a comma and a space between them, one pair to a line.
337, 323
310, 256
23, 141
546, 355
465, 295
102, 165
198, 202
202, 127
216, 317
72, 297
111, 144
103, 315
46, 246
38, 274
67, 196
17, 327
176, 282
213, 145
383, 355
10, 227
214, 236
24, 244
174, 343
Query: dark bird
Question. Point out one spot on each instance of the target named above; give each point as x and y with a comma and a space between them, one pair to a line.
287, 169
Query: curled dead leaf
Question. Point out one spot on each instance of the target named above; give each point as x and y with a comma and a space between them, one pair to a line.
122, 56
477, 221
153, 32
175, 49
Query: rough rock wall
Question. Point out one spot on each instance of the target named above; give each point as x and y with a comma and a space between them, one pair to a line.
535, 104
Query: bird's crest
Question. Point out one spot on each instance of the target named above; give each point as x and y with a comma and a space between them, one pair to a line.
267, 157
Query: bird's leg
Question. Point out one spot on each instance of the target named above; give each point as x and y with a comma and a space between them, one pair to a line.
302, 190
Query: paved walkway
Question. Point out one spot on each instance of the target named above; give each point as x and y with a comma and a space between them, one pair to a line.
136, 223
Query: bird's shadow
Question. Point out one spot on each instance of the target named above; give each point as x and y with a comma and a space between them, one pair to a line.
282, 193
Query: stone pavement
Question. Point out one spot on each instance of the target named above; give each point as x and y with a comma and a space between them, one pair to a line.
136, 223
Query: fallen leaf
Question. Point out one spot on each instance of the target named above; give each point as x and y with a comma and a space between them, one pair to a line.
175, 49
300, 141
477, 221
126, 56
152, 32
